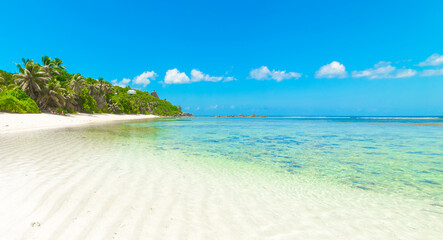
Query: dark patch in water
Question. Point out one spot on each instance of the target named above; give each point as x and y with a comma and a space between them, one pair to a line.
370, 147
375, 153
361, 187
430, 182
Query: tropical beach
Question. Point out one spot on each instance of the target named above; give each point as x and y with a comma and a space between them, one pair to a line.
273, 120
159, 179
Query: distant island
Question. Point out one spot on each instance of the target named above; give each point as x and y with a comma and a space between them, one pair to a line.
48, 87
240, 115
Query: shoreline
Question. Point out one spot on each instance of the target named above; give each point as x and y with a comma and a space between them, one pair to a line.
22, 122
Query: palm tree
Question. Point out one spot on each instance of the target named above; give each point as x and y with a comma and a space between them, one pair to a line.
77, 83
102, 86
31, 79
113, 107
58, 63
21, 68
70, 101
91, 88
49, 66
53, 95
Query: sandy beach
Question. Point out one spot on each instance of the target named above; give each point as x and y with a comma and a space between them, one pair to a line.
107, 183
10, 123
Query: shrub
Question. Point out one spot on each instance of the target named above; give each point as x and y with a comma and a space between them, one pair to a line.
89, 103
16, 101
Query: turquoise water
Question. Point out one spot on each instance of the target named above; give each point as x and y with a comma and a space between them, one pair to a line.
400, 156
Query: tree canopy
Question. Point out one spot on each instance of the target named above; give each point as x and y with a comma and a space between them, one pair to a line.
48, 87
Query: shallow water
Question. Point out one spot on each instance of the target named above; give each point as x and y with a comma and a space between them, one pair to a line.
402, 156
225, 178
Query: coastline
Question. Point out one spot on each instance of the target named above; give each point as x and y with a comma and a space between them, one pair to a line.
132, 181
18, 122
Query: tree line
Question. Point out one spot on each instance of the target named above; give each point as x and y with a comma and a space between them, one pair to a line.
48, 87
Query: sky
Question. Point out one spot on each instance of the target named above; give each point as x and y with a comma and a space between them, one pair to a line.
276, 58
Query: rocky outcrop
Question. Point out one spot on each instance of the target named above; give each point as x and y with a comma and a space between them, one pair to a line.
154, 94
183, 114
101, 102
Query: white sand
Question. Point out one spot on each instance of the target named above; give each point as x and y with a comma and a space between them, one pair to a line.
83, 185
29, 122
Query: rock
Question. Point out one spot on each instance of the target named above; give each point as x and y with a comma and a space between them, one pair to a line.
154, 94
183, 114
240, 115
252, 115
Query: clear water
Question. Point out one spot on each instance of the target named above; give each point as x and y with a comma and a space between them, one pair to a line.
399, 156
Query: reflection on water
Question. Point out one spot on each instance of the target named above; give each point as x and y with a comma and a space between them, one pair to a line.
391, 155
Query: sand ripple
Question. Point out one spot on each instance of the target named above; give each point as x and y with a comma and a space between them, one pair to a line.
70, 185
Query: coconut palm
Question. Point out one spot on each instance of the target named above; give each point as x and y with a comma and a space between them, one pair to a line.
21, 68
49, 66
113, 107
31, 79
58, 63
53, 95
102, 86
92, 88
70, 102
77, 83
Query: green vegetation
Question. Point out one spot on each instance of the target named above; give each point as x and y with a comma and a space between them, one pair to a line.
49, 87
16, 101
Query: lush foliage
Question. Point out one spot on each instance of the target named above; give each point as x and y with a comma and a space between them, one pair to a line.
49, 87
16, 101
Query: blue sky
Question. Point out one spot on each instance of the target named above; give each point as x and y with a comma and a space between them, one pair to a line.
243, 57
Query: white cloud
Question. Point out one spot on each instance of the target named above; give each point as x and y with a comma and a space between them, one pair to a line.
173, 76
197, 76
228, 79
432, 72
122, 83
384, 70
145, 78
332, 70
263, 73
434, 60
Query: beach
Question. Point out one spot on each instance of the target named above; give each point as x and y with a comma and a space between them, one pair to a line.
145, 180
10, 123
